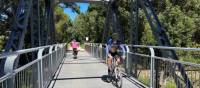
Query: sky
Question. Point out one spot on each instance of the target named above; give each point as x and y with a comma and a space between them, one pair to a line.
83, 8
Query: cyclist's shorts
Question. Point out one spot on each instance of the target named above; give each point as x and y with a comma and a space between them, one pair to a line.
74, 49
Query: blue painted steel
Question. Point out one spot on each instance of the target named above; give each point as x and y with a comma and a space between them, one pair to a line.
27, 16
113, 20
18, 29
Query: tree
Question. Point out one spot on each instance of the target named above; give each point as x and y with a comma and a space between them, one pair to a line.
90, 24
62, 23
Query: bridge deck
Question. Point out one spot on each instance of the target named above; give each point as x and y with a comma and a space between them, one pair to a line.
84, 72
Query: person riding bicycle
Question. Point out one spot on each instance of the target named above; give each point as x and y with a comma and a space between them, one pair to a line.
74, 46
113, 53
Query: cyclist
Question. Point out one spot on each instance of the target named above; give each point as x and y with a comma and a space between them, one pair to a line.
74, 46
113, 53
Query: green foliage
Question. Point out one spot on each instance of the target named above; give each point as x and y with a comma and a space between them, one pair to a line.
2, 41
89, 24
148, 39
62, 22
144, 79
170, 83
181, 21
178, 25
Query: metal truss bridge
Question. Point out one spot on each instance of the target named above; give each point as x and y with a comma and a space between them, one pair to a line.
33, 59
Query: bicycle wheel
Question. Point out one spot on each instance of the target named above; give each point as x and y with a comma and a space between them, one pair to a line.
118, 78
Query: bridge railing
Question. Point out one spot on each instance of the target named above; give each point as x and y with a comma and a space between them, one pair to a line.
153, 71
36, 74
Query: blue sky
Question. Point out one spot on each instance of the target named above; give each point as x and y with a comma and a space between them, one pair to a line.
83, 8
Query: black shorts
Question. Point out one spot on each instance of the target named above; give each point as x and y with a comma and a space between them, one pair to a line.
74, 49
115, 55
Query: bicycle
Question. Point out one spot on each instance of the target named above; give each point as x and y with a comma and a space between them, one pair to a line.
116, 75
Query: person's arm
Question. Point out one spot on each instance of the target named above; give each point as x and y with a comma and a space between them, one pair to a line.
71, 44
110, 56
78, 44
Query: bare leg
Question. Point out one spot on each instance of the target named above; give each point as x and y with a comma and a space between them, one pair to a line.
109, 65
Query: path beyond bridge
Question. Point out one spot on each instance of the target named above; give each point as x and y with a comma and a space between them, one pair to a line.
84, 72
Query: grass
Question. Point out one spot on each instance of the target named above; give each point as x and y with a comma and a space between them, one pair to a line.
190, 59
171, 84
144, 79
82, 46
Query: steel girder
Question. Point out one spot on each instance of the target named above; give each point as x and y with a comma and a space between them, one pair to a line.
35, 24
134, 38
117, 28
45, 33
35, 32
18, 30
107, 23
48, 34
47, 27
52, 26
162, 40
134, 24
112, 20
28, 11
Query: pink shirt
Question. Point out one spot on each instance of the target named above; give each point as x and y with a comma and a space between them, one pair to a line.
74, 44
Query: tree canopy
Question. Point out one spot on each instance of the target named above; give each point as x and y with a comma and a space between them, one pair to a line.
181, 21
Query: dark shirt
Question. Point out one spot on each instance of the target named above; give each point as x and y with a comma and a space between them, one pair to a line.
113, 53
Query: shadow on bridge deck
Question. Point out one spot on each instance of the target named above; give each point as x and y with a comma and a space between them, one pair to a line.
84, 72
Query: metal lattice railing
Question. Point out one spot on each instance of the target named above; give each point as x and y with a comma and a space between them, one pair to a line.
36, 74
153, 71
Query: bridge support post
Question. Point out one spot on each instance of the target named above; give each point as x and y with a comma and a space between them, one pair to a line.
56, 48
91, 51
51, 60
100, 51
152, 67
95, 50
10, 66
40, 69
129, 63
